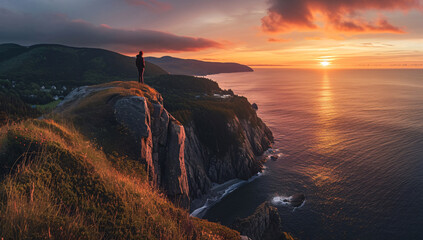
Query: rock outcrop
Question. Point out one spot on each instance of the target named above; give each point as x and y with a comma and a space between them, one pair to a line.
264, 224
162, 144
177, 160
159, 139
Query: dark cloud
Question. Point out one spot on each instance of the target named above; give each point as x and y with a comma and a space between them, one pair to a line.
341, 15
30, 29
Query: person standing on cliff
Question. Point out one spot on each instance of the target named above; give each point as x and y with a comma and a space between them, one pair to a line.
141, 66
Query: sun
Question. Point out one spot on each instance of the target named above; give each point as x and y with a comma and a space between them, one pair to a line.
325, 63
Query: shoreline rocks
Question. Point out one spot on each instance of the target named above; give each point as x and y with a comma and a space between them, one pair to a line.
264, 224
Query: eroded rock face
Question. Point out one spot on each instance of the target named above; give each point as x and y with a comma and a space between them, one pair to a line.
264, 224
204, 167
175, 179
162, 144
133, 113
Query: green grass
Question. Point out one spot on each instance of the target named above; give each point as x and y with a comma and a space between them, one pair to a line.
47, 108
55, 184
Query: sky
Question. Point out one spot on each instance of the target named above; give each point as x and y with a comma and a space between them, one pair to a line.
259, 33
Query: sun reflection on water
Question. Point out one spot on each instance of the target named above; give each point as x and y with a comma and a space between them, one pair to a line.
326, 135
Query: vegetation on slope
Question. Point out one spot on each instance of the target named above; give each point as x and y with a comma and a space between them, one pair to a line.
55, 184
13, 108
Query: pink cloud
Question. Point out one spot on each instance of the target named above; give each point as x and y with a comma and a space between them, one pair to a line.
339, 15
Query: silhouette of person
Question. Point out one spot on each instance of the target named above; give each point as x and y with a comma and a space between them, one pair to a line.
141, 66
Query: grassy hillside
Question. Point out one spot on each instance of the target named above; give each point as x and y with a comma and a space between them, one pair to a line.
54, 184
25, 70
196, 67
13, 108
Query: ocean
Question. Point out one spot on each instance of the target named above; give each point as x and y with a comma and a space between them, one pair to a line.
350, 140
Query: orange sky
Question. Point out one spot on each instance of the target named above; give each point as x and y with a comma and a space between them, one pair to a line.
275, 33
346, 33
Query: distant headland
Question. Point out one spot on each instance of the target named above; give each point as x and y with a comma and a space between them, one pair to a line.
196, 67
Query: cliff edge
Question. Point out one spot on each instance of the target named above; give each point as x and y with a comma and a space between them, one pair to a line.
212, 139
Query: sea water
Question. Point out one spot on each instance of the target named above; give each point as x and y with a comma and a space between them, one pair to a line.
350, 140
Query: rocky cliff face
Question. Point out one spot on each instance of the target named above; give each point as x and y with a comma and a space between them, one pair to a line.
264, 224
162, 141
177, 161
241, 161
157, 138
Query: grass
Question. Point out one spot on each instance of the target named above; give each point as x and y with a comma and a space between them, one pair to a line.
55, 184
12, 108
47, 108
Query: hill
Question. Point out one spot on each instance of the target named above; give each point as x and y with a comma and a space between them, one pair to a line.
54, 184
196, 67
38, 73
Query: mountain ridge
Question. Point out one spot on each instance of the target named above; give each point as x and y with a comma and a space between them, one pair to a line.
196, 67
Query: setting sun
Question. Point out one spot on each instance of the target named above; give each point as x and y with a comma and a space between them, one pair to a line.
325, 63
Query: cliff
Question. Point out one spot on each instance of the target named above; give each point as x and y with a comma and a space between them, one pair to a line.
184, 156
264, 224
224, 134
129, 119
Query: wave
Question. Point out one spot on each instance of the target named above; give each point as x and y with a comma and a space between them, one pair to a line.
285, 201
273, 154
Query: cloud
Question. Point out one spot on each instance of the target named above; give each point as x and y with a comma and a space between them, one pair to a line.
30, 29
374, 45
340, 15
279, 40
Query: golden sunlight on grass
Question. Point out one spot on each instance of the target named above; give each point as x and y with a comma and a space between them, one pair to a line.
64, 187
